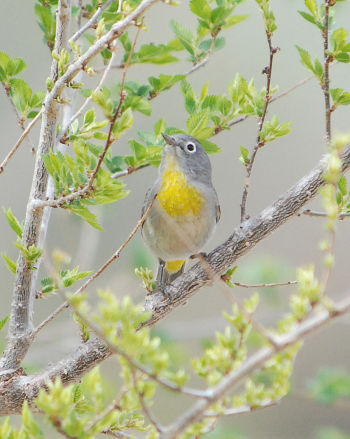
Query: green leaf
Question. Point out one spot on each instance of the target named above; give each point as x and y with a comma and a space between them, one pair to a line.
339, 39
70, 277
244, 158
13, 222
15, 66
90, 117
312, 7
123, 123
160, 54
305, 58
343, 185
86, 215
201, 8
3, 322
11, 265
31, 428
164, 82
159, 127
210, 147
185, 36
21, 95
4, 60
308, 17
197, 122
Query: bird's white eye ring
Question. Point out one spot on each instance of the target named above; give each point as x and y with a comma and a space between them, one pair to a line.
191, 147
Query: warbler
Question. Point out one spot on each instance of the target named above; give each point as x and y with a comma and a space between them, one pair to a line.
185, 206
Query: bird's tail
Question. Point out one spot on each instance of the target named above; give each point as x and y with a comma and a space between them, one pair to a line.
168, 272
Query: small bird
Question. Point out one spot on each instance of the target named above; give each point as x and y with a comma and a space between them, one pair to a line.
185, 206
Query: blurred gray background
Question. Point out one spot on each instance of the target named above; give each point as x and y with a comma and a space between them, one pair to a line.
277, 167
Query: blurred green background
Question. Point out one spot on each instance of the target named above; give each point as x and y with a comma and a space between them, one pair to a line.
277, 167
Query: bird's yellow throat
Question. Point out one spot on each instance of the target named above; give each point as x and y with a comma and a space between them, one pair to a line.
176, 195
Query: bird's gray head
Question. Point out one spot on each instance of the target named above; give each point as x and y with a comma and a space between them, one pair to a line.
190, 156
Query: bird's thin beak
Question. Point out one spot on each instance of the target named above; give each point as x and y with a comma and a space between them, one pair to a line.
169, 139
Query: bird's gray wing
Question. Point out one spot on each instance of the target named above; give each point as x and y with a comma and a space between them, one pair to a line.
150, 194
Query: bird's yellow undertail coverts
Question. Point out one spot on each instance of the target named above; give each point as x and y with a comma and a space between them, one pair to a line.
185, 209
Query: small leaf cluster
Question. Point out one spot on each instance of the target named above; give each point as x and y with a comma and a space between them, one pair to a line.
147, 276
65, 279
335, 196
31, 253
269, 17
302, 303
45, 10
212, 17
21, 94
339, 50
72, 175
29, 429
122, 324
271, 383
78, 408
229, 351
149, 152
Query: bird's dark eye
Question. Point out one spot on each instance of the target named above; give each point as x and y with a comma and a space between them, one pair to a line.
191, 147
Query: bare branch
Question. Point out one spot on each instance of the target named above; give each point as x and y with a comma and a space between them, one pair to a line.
309, 212
20, 120
145, 407
327, 60
25, 133
259, 143
241, 410
91, 22
273, 285
88, 100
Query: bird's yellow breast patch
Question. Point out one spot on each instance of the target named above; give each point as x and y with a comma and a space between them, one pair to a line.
176, 195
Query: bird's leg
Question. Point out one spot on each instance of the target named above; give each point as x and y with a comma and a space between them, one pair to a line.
162, 277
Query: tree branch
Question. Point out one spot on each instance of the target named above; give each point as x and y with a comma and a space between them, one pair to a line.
242, 240
14, 389
19, 141
268, 71
256, 361
21, 319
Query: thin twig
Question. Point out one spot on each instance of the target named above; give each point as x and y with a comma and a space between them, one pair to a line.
21, 317
204, 61
114, 257
85, 191
259, 143
118, 434
116, 114
113, 406
241, 410
144, 406
309, 212
78, 113
20, 120
253, 363
272, 285
91, 22
20, 140
327, 60
194, 393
